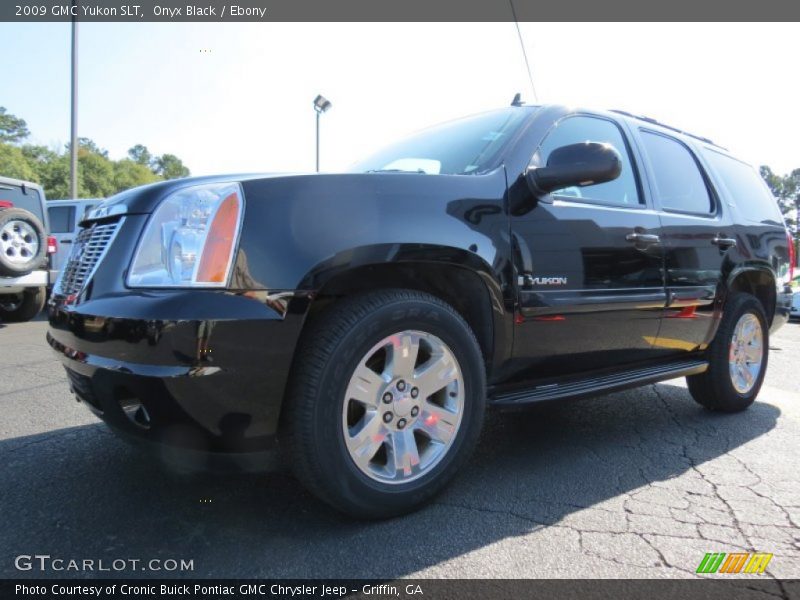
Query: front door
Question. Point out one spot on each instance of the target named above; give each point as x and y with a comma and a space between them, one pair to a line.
590, 267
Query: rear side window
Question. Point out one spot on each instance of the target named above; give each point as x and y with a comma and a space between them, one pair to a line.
575, 130
29, 199
61, 218
746, 188
679, 184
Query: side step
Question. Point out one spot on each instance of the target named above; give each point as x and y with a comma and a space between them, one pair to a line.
599, 385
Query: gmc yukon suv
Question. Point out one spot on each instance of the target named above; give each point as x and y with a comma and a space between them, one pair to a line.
362, 322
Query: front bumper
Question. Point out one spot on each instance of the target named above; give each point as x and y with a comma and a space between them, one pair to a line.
214, 383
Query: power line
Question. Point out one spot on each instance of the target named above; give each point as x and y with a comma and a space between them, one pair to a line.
524, 54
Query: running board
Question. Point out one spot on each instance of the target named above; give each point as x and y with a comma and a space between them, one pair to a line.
599, 385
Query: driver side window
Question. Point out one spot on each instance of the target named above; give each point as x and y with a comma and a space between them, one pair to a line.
623, 190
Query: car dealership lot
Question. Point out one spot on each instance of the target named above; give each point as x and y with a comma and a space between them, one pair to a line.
640, 483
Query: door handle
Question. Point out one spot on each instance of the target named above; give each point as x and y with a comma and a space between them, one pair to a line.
723, 242
66, 241
643, 238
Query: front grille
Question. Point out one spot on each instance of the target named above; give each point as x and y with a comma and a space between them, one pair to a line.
88, 248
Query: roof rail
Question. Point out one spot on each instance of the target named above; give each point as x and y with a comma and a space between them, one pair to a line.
654, 122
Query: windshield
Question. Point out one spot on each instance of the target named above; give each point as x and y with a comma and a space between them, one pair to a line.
463, 147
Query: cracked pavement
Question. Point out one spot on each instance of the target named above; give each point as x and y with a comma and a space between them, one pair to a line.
636, 484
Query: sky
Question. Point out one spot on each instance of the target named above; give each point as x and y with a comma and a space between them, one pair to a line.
237, 97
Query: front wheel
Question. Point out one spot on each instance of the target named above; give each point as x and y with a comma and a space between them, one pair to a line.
737, 358
386, 403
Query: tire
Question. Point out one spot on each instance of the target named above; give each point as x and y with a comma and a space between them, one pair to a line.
719, 389
325, 408
23, 245
16, 308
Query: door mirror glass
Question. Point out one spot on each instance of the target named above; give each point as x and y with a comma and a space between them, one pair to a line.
575, 165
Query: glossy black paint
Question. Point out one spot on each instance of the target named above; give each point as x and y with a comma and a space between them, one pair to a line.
212, 365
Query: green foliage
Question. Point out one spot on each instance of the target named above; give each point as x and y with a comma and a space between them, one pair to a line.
129, 173
13, 163
98, 175
170, 166
12, 128
786, 189
140, 154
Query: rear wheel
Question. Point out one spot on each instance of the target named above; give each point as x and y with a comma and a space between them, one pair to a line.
387, 402
737, 358
23, 306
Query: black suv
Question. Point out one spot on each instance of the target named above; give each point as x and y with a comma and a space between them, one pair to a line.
362, 322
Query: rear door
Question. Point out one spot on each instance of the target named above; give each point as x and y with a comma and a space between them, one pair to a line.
62, 227
590, 265
697, 233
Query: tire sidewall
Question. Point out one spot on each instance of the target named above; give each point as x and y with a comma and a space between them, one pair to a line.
740, 305
330, 443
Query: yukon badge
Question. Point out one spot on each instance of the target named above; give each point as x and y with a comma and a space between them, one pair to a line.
549, 281
528, 280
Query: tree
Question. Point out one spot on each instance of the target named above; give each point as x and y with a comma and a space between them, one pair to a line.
87, 144
98, 175
170, 166
141, 155
13, 163
12, 128
129, 173
786, 190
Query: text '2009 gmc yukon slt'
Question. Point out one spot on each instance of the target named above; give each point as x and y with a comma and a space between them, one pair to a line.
361, 322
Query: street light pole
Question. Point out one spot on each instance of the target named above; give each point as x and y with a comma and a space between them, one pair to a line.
321, 105
73, 145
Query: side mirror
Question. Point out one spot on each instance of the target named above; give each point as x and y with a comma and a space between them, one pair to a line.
588, 163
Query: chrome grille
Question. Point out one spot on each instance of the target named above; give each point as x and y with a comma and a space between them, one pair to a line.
88, 248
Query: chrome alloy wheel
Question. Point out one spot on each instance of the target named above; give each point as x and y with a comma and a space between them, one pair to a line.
18, 242
403, 407
746, 353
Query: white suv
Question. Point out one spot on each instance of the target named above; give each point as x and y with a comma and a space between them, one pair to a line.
24, 249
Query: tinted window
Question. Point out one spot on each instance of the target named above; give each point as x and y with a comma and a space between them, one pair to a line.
746, 188
576, 130
28, 199
463, 147
678, 182
61, 218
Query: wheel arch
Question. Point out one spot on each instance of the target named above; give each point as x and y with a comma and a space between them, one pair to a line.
460, 278
758, 281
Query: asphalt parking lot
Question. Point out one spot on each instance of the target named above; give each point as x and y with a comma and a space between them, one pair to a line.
641, 483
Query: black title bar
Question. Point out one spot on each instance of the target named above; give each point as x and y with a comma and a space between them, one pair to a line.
395, 10
756, 588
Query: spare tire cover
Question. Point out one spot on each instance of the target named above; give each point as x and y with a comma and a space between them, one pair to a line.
23, 244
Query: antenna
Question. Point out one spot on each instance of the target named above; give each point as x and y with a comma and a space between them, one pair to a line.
517, 101
524, 54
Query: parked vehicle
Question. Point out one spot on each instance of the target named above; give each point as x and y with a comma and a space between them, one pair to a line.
795, 310
24, 249
362, 322
65, 215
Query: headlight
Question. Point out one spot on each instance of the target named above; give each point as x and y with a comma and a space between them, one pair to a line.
190, 239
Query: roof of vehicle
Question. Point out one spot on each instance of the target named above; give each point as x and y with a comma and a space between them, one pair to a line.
652, 121
61, 201
19, 182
